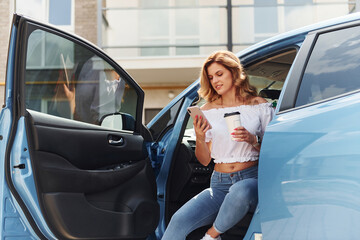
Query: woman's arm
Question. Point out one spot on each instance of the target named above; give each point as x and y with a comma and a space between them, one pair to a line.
242, 135
202, 150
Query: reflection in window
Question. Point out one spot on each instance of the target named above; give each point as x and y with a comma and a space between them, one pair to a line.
42, 47
333, 67
67, 80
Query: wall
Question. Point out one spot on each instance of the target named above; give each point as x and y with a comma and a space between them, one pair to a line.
86, 19
4, 42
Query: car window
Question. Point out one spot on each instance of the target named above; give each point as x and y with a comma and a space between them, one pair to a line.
268, 75
333, 67
67, 80
166, 120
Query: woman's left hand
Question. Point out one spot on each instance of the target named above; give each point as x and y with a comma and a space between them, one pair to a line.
240, 134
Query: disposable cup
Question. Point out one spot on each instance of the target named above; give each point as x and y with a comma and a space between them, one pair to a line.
232, 121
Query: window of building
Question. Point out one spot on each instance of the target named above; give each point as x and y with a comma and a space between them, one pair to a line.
333, 67
171, 26
265, 19
60, 12
57, 12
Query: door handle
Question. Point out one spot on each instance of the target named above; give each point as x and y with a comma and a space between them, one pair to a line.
117, 142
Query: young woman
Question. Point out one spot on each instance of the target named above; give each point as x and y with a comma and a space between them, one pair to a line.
233, 187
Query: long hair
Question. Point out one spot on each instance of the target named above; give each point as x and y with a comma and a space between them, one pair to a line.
241, 81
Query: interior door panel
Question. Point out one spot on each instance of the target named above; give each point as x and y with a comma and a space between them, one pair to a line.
87, 187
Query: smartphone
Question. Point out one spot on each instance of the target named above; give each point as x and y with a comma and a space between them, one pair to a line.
66, 74
195, 110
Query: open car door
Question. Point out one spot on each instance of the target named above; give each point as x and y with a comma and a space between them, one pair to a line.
75, 160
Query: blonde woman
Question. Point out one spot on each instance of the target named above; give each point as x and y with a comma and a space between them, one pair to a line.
233, 188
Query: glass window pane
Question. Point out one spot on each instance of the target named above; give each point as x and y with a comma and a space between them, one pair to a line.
155, 51
268, 75
154, 26
333, 67
60, 12
67, 80
151, 4
266, 20
187, 50
186, 25
166, 120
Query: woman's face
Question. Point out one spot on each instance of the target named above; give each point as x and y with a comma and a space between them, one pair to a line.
220, 78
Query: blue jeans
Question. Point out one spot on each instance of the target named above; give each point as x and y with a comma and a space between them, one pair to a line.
226, 202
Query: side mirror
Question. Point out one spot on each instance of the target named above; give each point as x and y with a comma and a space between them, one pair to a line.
118, 121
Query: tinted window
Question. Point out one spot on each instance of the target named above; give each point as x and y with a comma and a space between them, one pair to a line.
333, 67
65, 79
166, 120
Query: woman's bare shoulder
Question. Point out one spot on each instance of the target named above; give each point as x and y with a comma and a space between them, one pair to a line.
258, 100
206, 106
209, 105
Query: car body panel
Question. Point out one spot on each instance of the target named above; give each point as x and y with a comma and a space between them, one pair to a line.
308, 177
23, 180
313, 185
13, 218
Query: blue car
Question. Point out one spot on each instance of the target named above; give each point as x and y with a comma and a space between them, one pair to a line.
79, 164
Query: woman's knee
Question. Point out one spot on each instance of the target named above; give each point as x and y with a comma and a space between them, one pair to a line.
178, 219
245, 190
176, 228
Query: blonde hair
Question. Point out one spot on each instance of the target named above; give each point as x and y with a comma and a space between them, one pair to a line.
240, 79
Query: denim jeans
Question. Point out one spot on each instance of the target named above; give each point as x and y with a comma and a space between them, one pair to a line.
226, 202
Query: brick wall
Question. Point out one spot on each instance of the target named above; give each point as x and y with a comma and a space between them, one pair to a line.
4, 42
86, 19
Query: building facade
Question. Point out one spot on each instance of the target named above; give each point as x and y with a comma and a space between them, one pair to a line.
163, 43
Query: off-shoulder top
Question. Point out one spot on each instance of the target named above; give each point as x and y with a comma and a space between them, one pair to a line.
254, 118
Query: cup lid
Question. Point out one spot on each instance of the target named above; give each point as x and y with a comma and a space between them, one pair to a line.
231, 114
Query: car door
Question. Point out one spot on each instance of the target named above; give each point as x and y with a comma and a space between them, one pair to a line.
309, 163
75, 160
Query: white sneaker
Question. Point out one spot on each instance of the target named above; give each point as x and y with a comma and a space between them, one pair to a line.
208, 237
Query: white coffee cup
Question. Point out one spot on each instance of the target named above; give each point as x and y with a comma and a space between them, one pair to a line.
232, 121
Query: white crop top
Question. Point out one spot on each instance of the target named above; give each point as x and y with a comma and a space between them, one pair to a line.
254, 118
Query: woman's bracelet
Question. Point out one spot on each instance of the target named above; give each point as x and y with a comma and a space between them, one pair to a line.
257, 141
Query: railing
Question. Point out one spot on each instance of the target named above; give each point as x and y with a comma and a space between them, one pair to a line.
223, 26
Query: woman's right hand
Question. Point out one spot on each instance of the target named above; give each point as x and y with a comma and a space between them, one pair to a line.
200, 126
